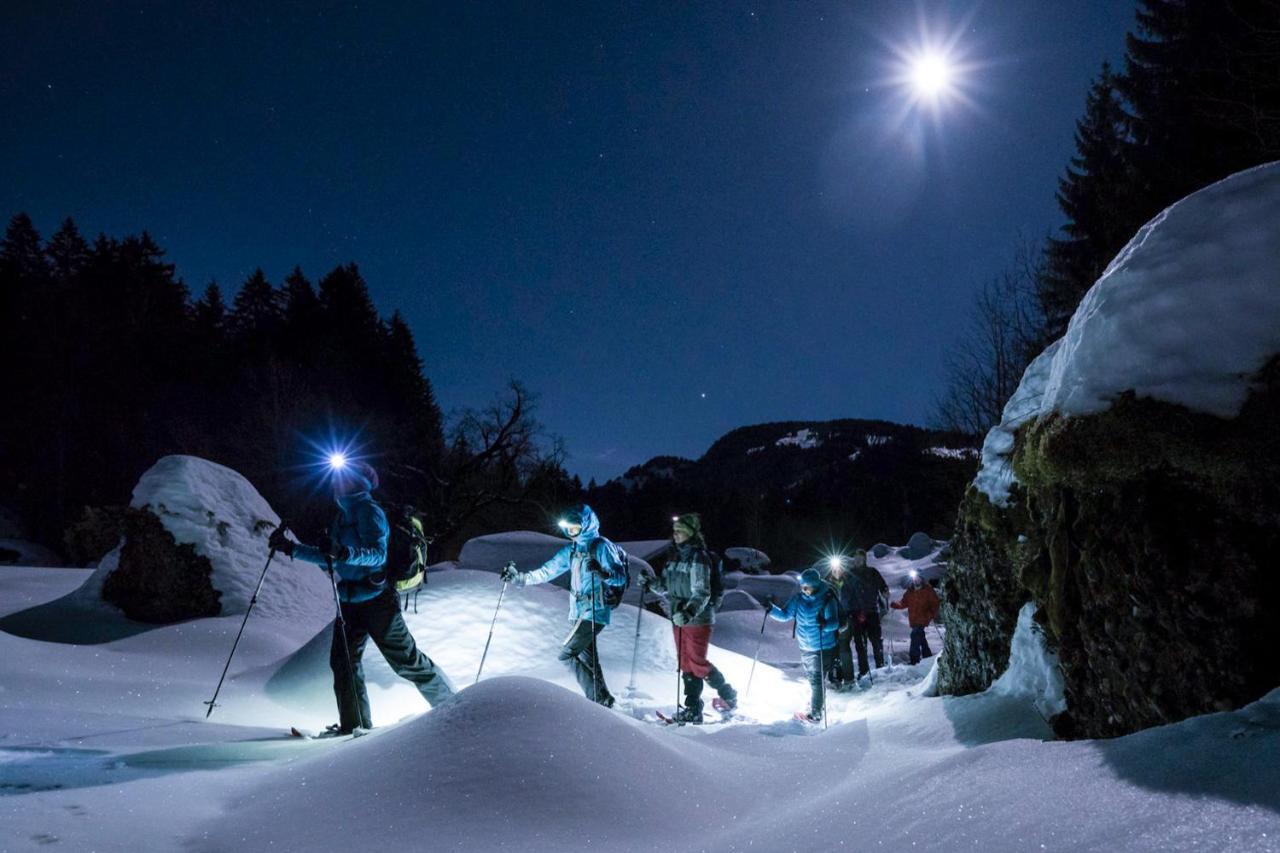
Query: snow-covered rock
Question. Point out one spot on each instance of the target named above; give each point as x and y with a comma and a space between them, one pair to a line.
751, 560
225, 520
805, 439
919, 546
19, 552
1033, 671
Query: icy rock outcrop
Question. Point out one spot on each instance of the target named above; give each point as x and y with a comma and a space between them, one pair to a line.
195, 544
919, 546
750, 560
1131, 491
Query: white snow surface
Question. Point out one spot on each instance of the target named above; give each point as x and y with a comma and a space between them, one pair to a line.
1033, 670
805, 439
105, 748
221, 514
1187, 313
748, 558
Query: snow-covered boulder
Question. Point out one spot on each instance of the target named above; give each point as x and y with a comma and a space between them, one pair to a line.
1129, 491
750, 560
919, 546
195, 545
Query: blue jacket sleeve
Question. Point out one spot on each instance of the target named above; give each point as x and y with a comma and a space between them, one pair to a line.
786, 612
310, 553
550, 570
614, 560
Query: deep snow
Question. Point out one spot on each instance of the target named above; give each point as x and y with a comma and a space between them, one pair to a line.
104, 749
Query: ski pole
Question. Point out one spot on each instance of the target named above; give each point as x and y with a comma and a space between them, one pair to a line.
679, 652
213, 703
822, 679
346, 647
485, 654
635, 649
759, 643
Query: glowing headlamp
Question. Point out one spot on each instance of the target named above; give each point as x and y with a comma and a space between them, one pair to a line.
337, 461
562, 524
835, 562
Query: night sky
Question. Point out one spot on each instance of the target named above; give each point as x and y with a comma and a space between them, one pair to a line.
668, 220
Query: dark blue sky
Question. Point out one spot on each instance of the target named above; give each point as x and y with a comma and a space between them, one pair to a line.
626, 206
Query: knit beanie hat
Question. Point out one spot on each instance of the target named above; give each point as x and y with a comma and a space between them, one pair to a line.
690, 523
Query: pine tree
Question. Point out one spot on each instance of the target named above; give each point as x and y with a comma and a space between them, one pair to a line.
257, 314
209, 315
67, 252
1191, 64
1095, 194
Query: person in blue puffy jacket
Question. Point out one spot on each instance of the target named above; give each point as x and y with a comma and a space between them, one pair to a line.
817, 616
595, 565
357, 554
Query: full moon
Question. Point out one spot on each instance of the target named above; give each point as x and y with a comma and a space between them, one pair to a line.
931, 75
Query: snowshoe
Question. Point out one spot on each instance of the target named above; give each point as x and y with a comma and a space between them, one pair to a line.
336, 730
808, 717
725, 706
688, 715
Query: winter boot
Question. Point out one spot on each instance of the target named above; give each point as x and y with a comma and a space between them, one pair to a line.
728, 696
688, 715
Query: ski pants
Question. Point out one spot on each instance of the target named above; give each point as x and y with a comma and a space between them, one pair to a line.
579, 651
919, 645
380, 619
816, 665
867, 631
695, 669
844, 654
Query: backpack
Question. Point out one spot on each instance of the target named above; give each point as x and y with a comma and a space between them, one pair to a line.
613, 594
717, 579
407, 553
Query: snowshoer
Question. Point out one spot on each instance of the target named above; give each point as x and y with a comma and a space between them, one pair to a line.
817, 617
596, 565
865, 598
842, 673
922, 605
357, 553
687, 581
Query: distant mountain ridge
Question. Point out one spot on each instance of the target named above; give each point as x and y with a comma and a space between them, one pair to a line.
793, 488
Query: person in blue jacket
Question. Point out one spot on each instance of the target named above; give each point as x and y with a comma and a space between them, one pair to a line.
598, 570
817, 615
357, 554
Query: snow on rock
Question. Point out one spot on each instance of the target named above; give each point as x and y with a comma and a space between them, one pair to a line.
878, 440
221, 514
750, 559
1187, 312
1033, 670
919, 546
805, 439
995, 476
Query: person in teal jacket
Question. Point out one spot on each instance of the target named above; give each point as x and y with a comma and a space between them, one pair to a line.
357, 553
595, 565
817, 615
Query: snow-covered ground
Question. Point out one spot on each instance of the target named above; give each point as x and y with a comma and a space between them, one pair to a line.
104, 747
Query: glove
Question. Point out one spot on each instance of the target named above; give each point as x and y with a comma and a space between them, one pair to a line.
339, 554
767, 601
644, 581
509, 573
596, 569
278, 541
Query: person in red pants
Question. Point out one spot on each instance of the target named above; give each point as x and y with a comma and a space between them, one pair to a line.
922, 605
688, 582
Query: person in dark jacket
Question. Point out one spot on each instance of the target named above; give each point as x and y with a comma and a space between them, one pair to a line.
921, 604
836, 575
817, 616
594, 563
687, 581
865, 597
357, 554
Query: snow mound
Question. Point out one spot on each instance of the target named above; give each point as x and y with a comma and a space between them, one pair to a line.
1187, 312
750, 559
511, 757
805, 439
1033, 670
221, 514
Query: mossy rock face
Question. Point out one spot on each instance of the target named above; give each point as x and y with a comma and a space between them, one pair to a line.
157, 580
1149, 536
981, 595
